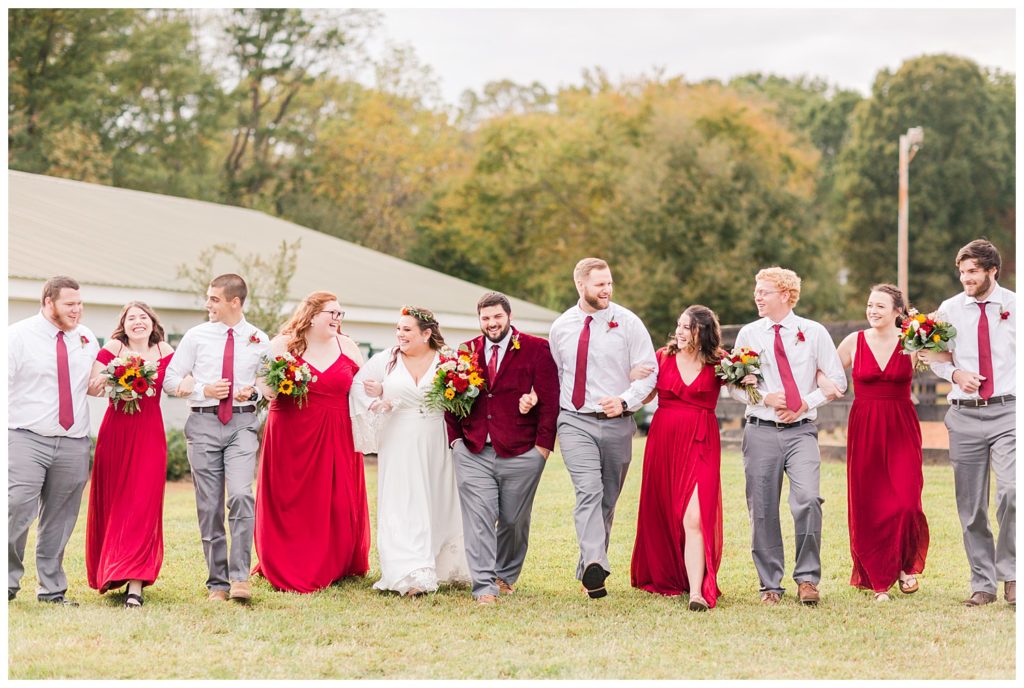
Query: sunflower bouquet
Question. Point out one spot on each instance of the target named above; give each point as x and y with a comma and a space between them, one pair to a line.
925, 332
736, 365
457, 382
129, 378
290, 376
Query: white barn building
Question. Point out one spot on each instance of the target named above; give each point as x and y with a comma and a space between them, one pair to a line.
124, 245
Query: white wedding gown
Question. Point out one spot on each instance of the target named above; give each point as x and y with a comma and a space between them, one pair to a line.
419, 522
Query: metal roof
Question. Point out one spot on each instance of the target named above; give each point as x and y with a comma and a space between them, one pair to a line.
104, 235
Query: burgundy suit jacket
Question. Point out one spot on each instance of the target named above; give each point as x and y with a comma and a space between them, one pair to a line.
496, 410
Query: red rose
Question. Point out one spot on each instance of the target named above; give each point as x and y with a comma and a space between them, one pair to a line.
119, 371
460, 384
800, 336
289, 373
1003, 315
140, 385
612, 324
736, 359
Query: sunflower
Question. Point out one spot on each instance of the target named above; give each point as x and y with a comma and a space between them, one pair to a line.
286, 387
475, 380
449, 394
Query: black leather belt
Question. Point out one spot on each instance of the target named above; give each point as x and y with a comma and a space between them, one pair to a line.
213, 409
980, 403
601, 415
754, 420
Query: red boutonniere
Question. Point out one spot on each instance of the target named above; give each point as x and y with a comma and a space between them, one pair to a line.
1004, 315
800, 337
85, 340
515, 342
254, 338
612, 324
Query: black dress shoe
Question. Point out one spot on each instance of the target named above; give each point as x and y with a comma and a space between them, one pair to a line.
10, 595
60, 599
593, 581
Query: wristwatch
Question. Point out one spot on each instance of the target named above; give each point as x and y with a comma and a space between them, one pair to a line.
256, 395
625, 406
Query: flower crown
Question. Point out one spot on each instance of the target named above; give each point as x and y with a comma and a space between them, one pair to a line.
420, 314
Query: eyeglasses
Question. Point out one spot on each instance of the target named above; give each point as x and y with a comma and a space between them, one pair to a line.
760, 293
335, 315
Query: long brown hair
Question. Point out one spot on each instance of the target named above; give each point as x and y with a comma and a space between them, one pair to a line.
709, 334
155, 337
898, 304
425, 320
302, 319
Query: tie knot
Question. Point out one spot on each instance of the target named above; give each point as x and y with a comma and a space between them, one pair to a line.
982, 304
777, 327
494, 348
230, 331
60, 334
586, 323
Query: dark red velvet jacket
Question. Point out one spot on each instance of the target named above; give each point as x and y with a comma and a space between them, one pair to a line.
496, 410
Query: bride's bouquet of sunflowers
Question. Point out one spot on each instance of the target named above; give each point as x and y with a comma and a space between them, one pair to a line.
457, 382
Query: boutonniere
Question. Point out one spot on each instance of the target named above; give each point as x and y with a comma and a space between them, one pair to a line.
612, 324
1003, 315
515, 342
254, 338
84, 340
800, 337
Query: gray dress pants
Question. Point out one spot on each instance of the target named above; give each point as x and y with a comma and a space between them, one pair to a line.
768, 454
496, 496
45, 476
980, 438
597, 453
224, 456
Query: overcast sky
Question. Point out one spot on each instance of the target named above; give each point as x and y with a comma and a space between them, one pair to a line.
469, 47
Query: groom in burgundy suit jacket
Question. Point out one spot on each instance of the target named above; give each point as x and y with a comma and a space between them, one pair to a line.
499, 451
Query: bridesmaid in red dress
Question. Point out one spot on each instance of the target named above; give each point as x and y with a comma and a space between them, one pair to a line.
124, 531
888, 529
312, 519
679, 526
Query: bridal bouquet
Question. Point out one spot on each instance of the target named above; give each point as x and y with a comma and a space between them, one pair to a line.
128, 379
288, 375
457, 383
736, 365
926, 332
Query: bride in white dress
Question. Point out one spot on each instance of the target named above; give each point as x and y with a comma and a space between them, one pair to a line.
419, 523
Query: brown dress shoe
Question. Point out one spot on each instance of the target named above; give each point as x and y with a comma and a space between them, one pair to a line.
485, 600
1010, 592
979, 598
808, 593
503, 587
241, 591
770, 599
218, 596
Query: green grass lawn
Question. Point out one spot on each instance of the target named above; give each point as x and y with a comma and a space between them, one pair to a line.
548, 629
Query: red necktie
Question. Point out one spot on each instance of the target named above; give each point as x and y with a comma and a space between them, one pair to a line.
492, 364
579, 387
786, 373
984, 354
227, 370
66, 410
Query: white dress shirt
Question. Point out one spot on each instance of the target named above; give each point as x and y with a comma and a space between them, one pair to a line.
613, 351
201, 352
33, 401
963, 313
502, 348
816, 352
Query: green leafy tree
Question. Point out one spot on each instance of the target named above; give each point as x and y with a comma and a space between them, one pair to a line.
268, 278
961, 182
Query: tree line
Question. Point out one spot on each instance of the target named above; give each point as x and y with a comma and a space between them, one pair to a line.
685, 187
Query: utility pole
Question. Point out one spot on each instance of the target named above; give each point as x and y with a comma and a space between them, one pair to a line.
909, 145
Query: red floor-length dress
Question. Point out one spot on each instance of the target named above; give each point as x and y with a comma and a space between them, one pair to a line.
683, 454
312, 519
888, 529
124, 537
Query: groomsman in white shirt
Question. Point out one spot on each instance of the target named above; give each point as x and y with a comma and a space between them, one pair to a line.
981, 419
49, 360
595, 344
780, 436
223, 355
